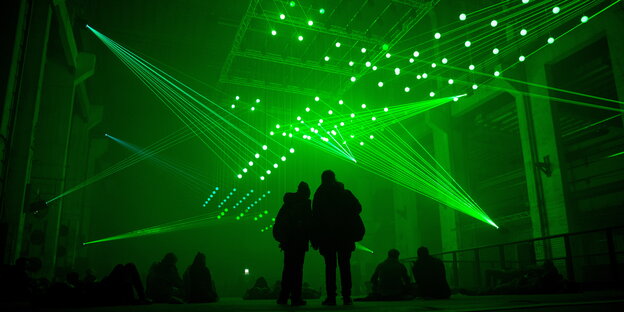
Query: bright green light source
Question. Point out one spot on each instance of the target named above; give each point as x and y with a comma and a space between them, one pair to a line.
385, 46
556, 10
264, 147
444, 60
240, 176
374, 118
418, 77
272, 133
262, 178
282, 16
275, 166
475, 87
525, 1
363, 50
437, 35
374, 67
244, 170
274, 32
494, 23
363, 106
251, 163
471, 67
338, 44
380, 84
462, 17
407, 89
340, 102
416, 53
233, 106
584, 19
257, 100
351, 63
467, 44
362, 247
495, 51
310, 22
497, 73
283, 158
326, 58
388, 55
431, 94
397, 71
433, 65
316, 98
385, 109
424, 75
237, 98
353, 79
292, 150
551, 40
451, 81
521, 58
368, 64
300, 38
257, 155
330, 112
307, 109
322, 11
523, 32
455, 99
292, 4
253, 108
411, 60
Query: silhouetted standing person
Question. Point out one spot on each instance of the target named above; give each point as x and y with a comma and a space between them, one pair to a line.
430, 276
334, 211
198, 283
292, 231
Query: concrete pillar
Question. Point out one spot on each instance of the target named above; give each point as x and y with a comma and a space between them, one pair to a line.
20, 152
50, 161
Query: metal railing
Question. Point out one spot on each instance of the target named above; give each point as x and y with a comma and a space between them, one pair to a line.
593, 258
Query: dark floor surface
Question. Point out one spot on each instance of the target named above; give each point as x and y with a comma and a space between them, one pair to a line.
588, 301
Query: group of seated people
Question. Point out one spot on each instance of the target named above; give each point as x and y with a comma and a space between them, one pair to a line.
122, 286
261, 290
391, 281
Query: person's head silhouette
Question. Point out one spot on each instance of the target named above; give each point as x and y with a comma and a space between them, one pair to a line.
170, 258
393, 253
304, 189
200, 260
423, 252
328, 177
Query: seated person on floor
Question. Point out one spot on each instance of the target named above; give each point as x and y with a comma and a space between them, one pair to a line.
390, 280
430, 276
260, 290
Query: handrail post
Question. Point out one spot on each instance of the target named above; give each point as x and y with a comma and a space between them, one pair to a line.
612, 256
477, 259
569, 262
455, 271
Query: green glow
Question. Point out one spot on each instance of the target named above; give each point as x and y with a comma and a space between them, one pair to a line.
359, 246
322, 11
385, 46
462, 17
437, 35
273, 32
292, 4
616, 154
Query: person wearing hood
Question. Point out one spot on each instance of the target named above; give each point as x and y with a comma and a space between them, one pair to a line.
292, 231
198, 283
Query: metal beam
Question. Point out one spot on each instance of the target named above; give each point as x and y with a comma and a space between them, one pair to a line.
273, 17
293, 61
273, 86
238, 38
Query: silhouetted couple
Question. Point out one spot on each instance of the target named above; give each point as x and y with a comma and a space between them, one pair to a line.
164, 284
332, 223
